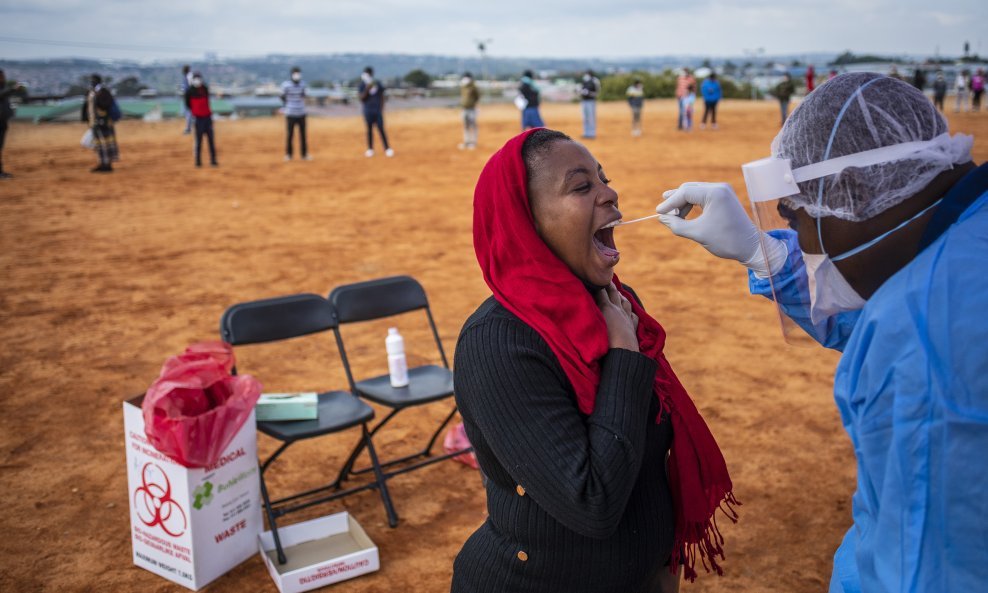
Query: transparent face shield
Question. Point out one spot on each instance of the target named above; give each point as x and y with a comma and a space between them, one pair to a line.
796, 293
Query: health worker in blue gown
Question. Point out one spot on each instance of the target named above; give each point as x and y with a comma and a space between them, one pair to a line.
885, 259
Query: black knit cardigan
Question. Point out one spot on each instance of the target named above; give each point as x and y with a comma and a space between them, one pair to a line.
575, 503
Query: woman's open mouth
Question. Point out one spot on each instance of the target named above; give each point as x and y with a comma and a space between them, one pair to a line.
603, 240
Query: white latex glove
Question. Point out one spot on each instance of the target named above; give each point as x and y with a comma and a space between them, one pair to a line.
723, 228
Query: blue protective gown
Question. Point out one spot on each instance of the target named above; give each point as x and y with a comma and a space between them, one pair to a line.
912, 389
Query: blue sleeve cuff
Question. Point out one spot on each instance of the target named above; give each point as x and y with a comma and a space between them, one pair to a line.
790, 295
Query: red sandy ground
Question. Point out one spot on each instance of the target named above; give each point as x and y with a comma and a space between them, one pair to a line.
104, 277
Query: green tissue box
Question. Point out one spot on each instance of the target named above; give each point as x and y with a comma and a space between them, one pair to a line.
287, 406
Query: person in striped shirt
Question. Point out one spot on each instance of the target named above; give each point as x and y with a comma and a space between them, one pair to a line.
293, 97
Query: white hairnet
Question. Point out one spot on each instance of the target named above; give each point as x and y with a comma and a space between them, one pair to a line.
862, 111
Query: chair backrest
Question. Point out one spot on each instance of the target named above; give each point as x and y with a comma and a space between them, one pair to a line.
374, 299
280, 318
377, 299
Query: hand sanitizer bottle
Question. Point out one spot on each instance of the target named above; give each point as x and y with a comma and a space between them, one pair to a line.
397, 364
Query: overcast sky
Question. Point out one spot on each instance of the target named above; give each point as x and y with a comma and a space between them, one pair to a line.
547, 28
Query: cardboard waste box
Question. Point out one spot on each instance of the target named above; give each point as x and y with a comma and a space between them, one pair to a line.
191, 525
320, 552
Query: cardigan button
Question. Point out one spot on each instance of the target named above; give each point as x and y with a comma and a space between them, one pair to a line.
523, 556
520, 490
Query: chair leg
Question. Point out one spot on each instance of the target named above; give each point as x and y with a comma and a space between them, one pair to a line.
347, 469
380, 425
381, 480
275, 455
271, 520
426, 452
435, 435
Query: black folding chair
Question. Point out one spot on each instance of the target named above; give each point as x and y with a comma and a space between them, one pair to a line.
378, 299
294, 316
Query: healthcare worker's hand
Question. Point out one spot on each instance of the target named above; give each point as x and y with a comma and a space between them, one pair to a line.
723, 228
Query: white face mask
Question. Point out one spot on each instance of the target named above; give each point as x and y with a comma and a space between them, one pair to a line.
586, 78
464, 81
830, 293
296, 76
196, 82
367, 78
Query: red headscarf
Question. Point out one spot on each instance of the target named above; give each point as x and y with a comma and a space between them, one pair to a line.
534, 284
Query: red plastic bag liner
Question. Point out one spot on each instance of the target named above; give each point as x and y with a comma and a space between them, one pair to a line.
456, 440
195, 407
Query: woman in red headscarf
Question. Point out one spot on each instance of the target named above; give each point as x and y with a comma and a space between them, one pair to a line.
600, 473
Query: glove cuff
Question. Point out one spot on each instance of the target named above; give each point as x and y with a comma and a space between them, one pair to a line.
772, 259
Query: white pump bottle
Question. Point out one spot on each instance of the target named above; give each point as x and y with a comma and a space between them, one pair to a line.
397, 364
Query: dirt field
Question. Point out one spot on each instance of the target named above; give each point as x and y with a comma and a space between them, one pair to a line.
106, 276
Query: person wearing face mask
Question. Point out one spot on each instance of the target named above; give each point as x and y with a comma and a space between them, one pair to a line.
371, 93
636, 99
939, 90
589, 88
530, 93
884, 260
601, 473
469, 97
96, 113
293, 98
197, 102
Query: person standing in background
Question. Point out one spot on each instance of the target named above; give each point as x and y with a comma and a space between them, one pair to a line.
712, 93
6, 113
186, 83
688, 101
96, 112
197, 102
371, 94
293, 98
939, 90
530, 116
469, 97
977, 89
683, 82
636, 99
589, 88
810, 79
919, 79
960, 87
784, 92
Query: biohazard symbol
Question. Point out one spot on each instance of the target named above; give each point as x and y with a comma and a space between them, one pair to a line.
154, 505
203, 494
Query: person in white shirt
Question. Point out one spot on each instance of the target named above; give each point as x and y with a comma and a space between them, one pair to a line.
960, 86
636, 98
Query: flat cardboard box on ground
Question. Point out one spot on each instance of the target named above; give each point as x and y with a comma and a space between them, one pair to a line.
320, 552
191, 525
